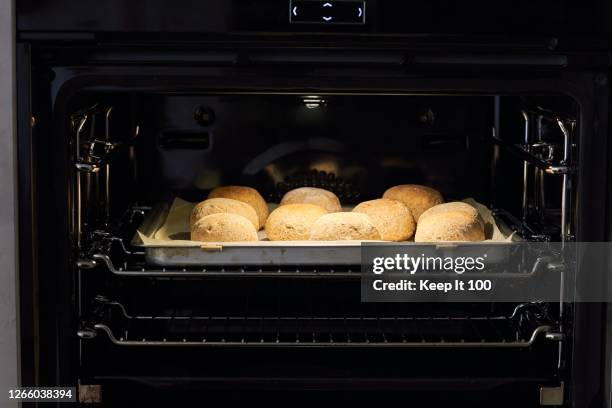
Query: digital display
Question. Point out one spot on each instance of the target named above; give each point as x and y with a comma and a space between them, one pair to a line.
327, 12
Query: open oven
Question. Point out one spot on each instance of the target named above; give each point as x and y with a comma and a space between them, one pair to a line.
119, 130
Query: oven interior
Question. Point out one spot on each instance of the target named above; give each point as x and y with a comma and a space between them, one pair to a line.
509, 153
284, 326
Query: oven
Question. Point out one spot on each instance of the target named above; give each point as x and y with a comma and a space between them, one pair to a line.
125, 108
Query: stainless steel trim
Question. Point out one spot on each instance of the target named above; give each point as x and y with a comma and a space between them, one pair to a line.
608, 353
9, 320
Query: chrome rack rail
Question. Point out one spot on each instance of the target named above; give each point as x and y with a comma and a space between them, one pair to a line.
526, 153
542, 157
132, 264
106, 241
111, 253
521, 228
528, 323
222, 271
93, 147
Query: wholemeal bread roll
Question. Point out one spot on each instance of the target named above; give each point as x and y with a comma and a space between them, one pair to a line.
454, 206
311, 195
223, 205
390, 217
223, 227
246, 195
417, 198
293, 222
449, 224
343, 226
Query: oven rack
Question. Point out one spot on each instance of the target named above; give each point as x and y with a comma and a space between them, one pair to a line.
226, 271
132, 264
113, 255
111, 251
522, 329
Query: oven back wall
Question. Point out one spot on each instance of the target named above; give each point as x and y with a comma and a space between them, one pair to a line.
371, 142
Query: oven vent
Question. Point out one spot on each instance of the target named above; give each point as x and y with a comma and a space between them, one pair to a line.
185, 139
346, 190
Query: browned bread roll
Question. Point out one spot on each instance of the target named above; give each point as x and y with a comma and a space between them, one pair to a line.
223, 227
311, 195
246, 195
450, 223
223, 205
343, 226
293, 222
454, 206
390, 217
416, 197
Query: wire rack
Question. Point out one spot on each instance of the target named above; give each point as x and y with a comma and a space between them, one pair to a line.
109, 250
521, 329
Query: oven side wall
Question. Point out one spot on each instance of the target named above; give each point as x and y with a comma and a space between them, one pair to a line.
9, 352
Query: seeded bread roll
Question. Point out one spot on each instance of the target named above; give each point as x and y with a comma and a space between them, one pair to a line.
390, 217
293, 222
223, 227
449, 226
223, 205
342, 226
417, 198
453, 206
246, 195
311, 195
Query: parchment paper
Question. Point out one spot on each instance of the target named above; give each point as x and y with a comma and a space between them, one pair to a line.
173, 229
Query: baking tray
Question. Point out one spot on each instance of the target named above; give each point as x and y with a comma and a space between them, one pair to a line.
172, 247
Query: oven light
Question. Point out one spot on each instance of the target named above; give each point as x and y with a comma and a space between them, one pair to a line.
313, 102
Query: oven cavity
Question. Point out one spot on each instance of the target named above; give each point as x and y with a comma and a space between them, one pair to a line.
134, 154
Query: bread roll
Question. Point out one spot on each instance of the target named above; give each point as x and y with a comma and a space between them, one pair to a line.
417, 198
449, 225
311, 195
223, 205
246, 195
223, 227
390, 217
293, 222
343, 226
451, 207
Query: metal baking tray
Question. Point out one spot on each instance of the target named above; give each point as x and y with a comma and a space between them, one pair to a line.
269, 253
234, 255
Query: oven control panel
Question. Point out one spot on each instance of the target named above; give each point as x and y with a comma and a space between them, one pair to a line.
327, 12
